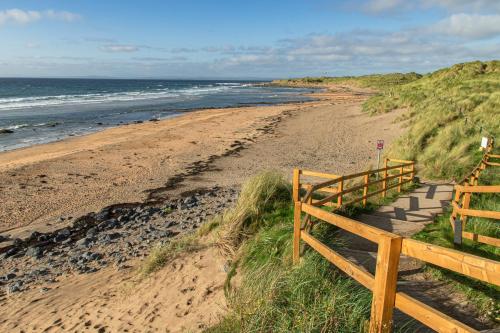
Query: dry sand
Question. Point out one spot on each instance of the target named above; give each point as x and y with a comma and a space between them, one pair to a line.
151, 161
185, 296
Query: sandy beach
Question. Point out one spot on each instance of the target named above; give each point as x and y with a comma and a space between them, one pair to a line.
149, 164
149, 161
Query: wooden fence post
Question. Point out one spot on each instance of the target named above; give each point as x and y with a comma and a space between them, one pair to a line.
296, 231
296, 185
465, 205
457, 231
384, 287
384, 183
412, 174
365, 190
340, 188
454, 213
400, 179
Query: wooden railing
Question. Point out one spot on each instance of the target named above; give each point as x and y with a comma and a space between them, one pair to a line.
384, 283
461, 211
472, 177
462, 198
337, 187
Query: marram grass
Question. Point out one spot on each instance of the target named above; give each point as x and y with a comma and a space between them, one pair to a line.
448, 111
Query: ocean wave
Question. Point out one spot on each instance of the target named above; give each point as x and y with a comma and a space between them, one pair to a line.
17, 126
12, 103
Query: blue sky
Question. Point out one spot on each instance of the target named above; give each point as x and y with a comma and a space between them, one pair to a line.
242, 39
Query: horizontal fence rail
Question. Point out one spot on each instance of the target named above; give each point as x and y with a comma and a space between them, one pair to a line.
384, 283
337, 187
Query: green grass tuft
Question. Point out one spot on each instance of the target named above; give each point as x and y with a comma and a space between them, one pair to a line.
162, 254
257, 196
275, 296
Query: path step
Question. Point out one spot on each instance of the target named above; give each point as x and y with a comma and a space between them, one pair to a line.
399, 227
421, 205
368, 260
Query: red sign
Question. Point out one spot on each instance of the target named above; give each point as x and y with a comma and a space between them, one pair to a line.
380, 144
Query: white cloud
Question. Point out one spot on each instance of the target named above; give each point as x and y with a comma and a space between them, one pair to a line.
383, 5
452, 6
464, 5
20, 16
119, 48
61, 15
469, 26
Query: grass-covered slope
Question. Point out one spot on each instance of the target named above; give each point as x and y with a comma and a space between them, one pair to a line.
448, 111
273, 295
378, 81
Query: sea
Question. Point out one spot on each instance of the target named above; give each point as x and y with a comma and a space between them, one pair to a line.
36, 110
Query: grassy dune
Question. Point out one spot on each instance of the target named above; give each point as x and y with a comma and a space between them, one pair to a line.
448, 112
274, 295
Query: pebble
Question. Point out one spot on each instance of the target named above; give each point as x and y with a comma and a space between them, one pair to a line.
111, 236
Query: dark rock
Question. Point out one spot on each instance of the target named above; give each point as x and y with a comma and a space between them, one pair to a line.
169, 224
84, 242
39, 272
15, 287
102, 215
8, 276
34, 236
111, 236
91, 232
34, 252
11, 252
6, 131
43, 238
62, 235
3, 239
190, 200
91, 256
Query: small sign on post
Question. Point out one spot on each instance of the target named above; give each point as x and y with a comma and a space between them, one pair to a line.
380, 147
380, 144
484, 143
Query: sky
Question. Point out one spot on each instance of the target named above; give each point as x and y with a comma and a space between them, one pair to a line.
242, 39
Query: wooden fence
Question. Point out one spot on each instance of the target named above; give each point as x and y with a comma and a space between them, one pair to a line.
462, 198
337, 187
390, 246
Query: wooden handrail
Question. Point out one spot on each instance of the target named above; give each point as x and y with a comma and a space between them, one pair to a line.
371, 233
434, 319
365, 278
384, 284
403, 175
398, 161
478, 189
467, 264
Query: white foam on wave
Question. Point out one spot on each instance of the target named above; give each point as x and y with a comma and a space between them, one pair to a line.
13, 103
